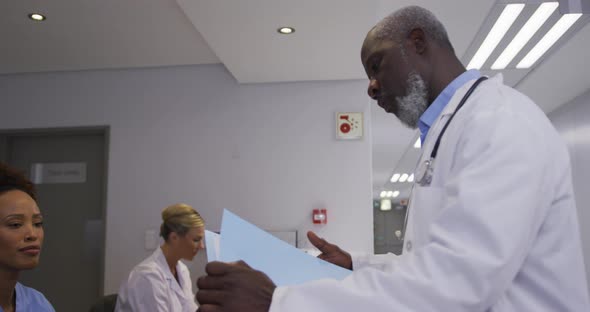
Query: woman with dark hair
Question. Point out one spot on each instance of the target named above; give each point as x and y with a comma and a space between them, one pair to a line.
21, 239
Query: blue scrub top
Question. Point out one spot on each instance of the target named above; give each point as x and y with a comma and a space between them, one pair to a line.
30, 300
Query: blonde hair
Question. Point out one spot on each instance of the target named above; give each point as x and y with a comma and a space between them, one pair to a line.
179, 218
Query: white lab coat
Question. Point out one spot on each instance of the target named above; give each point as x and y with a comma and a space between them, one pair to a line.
152, 287
497, 230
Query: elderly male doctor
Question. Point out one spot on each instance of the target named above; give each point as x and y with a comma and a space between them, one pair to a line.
492, 220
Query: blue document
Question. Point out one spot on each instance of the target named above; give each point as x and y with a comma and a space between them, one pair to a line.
283, 263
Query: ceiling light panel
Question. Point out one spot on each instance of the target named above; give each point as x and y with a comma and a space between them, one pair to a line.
558, 30
404, 177
519, 36
525, 34
498, 31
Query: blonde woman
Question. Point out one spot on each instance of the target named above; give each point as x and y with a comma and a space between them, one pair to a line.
162, 282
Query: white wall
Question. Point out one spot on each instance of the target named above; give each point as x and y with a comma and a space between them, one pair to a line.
191, 134
572, 120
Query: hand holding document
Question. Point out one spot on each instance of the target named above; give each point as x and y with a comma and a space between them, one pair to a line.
283, 263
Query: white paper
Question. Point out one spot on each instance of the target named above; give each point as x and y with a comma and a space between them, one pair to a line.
212, 246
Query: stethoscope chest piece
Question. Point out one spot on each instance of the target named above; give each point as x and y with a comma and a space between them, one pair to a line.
424, 173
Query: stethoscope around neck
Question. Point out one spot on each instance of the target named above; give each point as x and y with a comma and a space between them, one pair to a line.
424, 171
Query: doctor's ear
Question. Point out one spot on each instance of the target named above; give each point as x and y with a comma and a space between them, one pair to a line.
416, 41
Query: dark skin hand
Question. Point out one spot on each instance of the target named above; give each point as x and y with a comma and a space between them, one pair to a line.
234, 287
330, 252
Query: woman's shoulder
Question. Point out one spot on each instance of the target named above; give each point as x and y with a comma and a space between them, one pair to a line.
149, 269
32, 299
143, 274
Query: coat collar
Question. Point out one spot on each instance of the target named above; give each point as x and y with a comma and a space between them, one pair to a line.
450, 108
436, 128
176, 286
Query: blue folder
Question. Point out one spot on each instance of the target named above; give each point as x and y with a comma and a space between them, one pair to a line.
283, 263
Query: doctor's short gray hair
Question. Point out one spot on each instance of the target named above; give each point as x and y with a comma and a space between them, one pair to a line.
399, 24
179, 218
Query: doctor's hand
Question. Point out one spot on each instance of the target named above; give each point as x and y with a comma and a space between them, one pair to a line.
330, 252
234, 287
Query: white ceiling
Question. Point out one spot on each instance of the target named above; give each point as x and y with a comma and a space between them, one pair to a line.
325, 45
99, 34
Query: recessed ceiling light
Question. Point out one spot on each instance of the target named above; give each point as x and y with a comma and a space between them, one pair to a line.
395, 194
383, 194
37, 17
411, 178
395, 177
389, 194
286, 30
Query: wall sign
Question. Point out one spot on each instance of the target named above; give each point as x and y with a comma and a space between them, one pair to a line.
349, 126
53, 173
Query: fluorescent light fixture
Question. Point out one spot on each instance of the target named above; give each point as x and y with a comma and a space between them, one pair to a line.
418, 143
395, 194
383, 194
395, 177
389, 194
385, 205
404, 177
562, 25
498, 31
37, 17
525, 34
286, 30
411, 178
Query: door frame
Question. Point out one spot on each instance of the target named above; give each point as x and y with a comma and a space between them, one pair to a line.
105, 131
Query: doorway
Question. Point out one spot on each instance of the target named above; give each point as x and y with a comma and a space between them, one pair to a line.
385, 225
68, 167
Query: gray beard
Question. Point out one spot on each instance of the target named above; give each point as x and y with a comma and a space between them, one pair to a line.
415, 103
